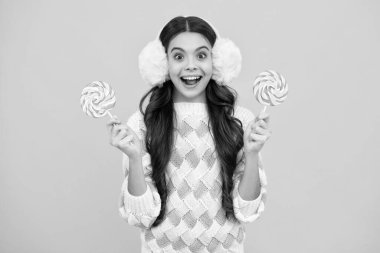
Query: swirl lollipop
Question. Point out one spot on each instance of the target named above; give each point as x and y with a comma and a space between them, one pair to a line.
270, 88
97, 99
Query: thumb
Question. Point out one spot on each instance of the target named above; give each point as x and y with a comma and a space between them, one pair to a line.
263, 116
249, 128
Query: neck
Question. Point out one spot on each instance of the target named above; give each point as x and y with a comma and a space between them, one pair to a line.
177, 98
190, 108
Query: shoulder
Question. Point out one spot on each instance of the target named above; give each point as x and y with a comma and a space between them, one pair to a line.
244, 115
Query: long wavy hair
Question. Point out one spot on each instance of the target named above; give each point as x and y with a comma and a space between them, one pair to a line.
159, 118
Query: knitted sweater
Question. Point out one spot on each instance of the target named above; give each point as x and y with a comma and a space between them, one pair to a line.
194, 220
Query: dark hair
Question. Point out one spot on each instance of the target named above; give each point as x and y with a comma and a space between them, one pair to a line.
159, 119
186, 24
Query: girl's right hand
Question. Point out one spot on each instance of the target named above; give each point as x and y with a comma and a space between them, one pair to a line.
124, 138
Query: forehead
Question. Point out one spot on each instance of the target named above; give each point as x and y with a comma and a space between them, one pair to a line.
189, 41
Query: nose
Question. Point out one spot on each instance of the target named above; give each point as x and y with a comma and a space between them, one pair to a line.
191, 65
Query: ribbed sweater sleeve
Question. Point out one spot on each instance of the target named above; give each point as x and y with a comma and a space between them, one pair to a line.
247, 210
140, 210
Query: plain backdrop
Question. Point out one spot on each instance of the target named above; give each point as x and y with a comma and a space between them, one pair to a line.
60, 178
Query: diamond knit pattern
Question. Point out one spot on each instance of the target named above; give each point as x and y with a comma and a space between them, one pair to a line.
195, 220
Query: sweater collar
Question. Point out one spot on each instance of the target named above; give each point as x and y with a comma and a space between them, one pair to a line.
189, 108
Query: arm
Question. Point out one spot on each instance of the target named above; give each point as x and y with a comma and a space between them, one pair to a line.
136, 181
140, 203
250, 186
249, 191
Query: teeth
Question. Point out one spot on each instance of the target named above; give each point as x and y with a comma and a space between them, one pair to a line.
190, 78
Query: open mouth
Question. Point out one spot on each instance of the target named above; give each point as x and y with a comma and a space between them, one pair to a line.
191, 80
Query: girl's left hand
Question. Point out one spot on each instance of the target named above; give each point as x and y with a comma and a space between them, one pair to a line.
257, 133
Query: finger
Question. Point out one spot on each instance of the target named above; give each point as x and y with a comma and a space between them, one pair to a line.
122, 134
127, 140
262, 123
264, 132
249, 128
117, 140
260, 130
115, 118
263, 116
116, 129
111, 123
258, 137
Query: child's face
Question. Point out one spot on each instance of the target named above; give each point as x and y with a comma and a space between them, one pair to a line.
190, 66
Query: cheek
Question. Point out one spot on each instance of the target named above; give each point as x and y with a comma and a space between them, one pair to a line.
174, 68
207, 67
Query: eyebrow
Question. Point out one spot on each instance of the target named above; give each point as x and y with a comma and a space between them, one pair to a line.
180, 49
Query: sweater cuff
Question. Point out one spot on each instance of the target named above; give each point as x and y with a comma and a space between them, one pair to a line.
141, 204
250, 206
250, 210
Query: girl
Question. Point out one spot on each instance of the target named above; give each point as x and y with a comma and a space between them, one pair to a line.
191, 158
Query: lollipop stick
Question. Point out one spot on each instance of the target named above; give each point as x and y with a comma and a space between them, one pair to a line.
262, 111
109, 114
265, 108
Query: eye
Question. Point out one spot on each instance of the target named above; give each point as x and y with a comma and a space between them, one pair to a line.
202, 55
178, 57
